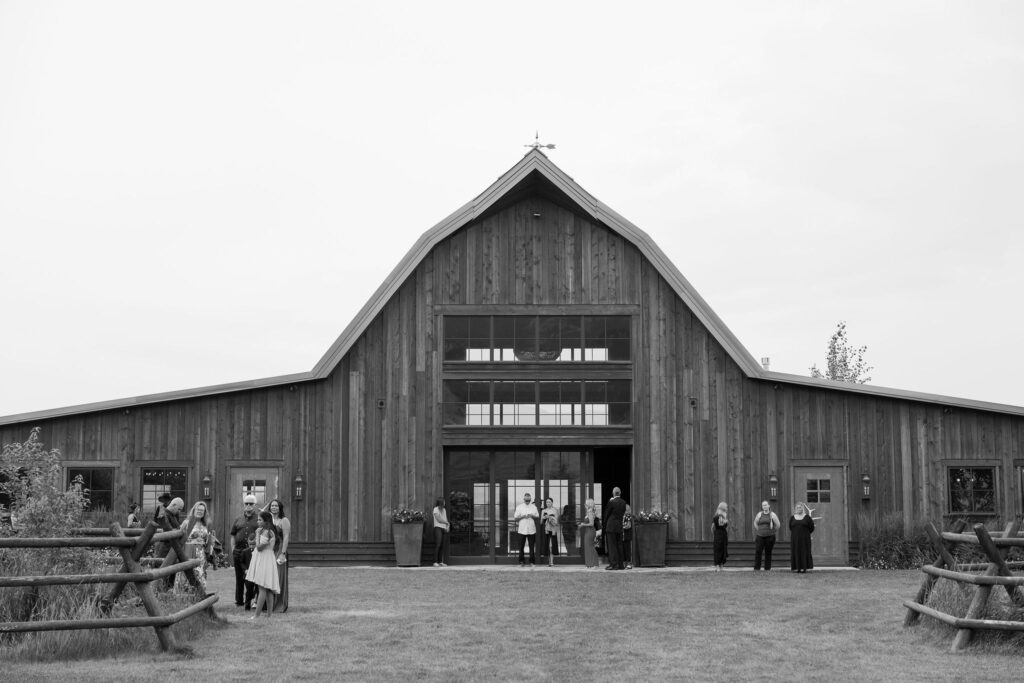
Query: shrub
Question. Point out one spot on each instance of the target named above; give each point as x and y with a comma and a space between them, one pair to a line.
885, 545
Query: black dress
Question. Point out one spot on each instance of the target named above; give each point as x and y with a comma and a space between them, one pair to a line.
800, 543
721, 539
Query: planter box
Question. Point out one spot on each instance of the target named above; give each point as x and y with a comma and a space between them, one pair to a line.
651, 539
408, 543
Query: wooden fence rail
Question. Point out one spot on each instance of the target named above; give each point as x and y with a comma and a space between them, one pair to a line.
131, 550
996, 573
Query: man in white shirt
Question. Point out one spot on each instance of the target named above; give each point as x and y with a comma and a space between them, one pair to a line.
526, 518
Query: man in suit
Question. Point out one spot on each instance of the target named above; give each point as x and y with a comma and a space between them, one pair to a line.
614, 511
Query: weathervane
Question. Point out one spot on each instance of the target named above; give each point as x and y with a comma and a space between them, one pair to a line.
537, 143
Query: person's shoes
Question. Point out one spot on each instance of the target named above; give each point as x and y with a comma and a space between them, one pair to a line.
443, 564
248, 607
629, 566
609, 568
239, 604
522, 564
437, 564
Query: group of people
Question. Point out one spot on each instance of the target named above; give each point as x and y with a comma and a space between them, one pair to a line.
613, 531
258, 547
766, 526
259, 553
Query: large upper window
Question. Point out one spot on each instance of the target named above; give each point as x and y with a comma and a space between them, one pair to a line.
533, 338
537, 402
972, 490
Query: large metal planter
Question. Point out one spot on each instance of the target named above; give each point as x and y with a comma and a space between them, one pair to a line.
651, 539
408, 543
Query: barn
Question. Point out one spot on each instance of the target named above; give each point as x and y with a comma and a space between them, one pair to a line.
536, 341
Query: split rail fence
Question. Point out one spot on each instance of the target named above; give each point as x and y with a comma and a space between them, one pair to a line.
131, 544
996, 572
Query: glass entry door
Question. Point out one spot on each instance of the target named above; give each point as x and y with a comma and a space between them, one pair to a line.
485, 486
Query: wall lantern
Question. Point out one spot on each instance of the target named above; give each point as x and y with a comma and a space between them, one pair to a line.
866, 481
773, 486
299, 488
207, 486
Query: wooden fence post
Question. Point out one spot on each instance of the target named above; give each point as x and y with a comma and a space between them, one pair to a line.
141, 543
145, 589
944, 559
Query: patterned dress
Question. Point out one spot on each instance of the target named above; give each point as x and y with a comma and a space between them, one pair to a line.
197, 542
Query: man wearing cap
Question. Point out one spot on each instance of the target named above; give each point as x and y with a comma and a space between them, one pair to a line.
242, 530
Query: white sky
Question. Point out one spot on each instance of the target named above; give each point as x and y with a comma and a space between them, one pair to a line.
200, 193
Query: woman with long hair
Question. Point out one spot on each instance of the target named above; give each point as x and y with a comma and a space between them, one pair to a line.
441, 529
263, 568
284, 532
588, 532
720, 531
198, 528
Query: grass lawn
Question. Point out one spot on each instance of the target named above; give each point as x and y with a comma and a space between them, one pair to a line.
563, 624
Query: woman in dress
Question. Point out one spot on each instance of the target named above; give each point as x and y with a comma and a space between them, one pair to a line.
801, 526
588, 532
441, 527
198, 542
720, 529
263, 568
133, 516
284, 532
549, 525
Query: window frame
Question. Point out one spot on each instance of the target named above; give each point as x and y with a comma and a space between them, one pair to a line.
111, 465
996, 492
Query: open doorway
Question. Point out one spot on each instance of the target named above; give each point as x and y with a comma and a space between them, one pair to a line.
613, 466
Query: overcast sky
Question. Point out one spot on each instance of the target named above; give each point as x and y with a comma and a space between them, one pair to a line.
200, 193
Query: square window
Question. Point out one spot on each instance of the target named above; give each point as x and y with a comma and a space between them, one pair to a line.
972, 490
98, 482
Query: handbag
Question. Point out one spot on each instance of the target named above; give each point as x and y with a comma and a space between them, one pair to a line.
599, 545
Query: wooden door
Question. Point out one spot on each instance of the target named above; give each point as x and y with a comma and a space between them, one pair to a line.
823, 489
262, 482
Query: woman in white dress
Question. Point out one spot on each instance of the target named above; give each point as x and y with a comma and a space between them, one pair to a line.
263, 568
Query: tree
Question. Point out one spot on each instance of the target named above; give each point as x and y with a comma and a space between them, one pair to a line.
845, 363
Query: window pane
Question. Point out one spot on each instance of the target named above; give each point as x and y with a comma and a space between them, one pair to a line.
162, 480
526, 338
570, 332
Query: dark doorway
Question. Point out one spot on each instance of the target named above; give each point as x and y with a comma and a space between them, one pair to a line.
613, 467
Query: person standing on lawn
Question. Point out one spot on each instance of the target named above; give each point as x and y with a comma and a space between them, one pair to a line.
587, 532
242, 529
766, 525
627, 537
549, 521
720, 529
262, 570
441, 528
284, 533
614, 511
526, 518
801, 526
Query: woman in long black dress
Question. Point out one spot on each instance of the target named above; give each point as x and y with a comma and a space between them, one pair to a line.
801, 526
720, 527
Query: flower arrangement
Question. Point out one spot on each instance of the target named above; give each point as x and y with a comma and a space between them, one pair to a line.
407, 516
652, 517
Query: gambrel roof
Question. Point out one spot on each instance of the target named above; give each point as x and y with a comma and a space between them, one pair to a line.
533, 164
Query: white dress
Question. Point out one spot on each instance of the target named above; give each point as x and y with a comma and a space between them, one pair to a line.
263, 568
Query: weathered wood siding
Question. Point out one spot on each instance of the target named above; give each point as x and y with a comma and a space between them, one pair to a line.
369, 437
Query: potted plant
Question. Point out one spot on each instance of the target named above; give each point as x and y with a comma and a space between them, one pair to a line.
407, 531
650, 533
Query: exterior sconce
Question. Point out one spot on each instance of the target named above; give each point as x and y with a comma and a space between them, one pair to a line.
299, 488
207, 486
866, 481
773, 486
